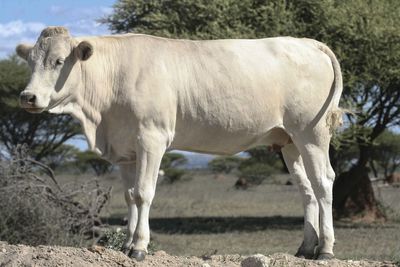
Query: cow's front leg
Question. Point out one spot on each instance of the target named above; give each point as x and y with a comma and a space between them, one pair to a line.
128, 174
151, 146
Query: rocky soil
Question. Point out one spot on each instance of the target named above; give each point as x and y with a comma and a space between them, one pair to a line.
21, 255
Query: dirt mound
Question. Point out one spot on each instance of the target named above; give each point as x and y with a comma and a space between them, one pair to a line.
21, 255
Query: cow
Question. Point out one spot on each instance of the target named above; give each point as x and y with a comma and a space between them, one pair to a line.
138, 96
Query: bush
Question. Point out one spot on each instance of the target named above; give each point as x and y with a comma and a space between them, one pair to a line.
115, 238
170, 164
260, 165
173, 175
255, 173
35, 210
86, 159
224, 164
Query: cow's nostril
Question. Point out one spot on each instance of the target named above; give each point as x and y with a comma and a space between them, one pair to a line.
28, 98
31, 99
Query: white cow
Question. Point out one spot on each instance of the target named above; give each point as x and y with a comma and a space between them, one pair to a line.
138, 96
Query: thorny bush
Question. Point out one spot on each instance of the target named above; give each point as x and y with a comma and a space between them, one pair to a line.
35, 209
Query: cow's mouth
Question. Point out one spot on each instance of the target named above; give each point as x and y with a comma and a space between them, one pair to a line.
34, 110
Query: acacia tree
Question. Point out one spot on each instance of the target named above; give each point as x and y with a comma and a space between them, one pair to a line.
366, 38
170, 164
365, 35
386, 153
88, 158
43, 133
202, 19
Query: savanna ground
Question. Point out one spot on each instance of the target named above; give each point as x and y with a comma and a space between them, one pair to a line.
203, 215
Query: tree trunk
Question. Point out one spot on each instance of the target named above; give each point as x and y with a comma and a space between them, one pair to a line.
353, 196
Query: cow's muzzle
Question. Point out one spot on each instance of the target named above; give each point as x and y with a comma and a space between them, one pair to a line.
28, 102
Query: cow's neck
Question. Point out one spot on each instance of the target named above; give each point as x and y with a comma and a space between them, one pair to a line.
96, 97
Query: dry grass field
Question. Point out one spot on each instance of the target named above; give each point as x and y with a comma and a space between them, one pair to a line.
205, 215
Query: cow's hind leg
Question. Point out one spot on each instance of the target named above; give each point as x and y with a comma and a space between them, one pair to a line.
314, 149
128, 173
295, 165
151, 146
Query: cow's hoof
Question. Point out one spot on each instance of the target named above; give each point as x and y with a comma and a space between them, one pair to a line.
304, 255
139, 255
126, 250
325, 256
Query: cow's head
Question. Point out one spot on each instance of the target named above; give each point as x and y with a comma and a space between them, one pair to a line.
55, 73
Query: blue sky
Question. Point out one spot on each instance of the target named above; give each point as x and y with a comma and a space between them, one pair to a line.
23, 20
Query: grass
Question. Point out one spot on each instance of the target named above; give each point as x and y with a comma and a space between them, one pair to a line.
202, 215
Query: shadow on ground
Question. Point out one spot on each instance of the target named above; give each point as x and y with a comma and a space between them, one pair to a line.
217, 225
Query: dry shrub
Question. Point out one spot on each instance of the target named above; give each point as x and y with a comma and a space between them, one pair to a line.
36, 210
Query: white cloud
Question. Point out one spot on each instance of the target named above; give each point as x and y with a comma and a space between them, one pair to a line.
85, 27
14, 32
20, 28
79, 21
84, 20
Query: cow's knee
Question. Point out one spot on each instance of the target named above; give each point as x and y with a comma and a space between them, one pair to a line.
324, 192
129, 197
143, 196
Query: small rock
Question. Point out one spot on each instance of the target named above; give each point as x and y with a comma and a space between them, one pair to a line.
160, 253
257, 260
4, 250
98, 249
205, 265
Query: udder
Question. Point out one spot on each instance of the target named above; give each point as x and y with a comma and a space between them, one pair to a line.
276, 138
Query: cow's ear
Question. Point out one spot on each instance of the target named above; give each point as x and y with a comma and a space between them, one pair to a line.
84, 50
23, 50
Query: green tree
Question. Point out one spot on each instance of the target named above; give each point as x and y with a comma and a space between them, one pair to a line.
386, 152
260, 165
366, 38
365, 35
60, 157
43, 133
224, 164
170, 164
87, 159
202, 19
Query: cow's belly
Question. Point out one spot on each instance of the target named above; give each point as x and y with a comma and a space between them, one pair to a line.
215, 139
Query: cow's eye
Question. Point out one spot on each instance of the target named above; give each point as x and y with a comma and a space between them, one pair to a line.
59, 61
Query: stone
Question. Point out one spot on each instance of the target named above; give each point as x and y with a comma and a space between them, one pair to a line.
257, 260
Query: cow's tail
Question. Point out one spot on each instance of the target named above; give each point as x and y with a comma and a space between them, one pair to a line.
334, 116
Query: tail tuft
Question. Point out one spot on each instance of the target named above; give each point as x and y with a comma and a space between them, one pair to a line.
334, 119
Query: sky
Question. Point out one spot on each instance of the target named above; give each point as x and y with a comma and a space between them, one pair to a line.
21, 21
